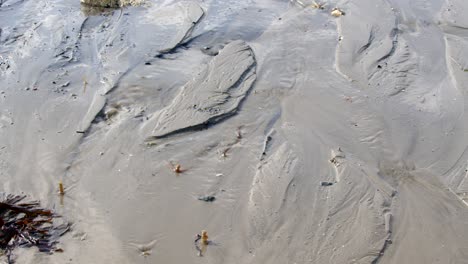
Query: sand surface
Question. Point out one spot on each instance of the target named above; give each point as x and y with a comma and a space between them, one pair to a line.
323, 139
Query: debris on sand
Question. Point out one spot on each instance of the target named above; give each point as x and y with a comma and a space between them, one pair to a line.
102, 3
131, 2
177, 168
224, 153
151, 143
211, 50
111, 3
239, 133
318, 5
337, 155
208, 198
201, 242
111, 112
26, 224
336, 12
61, 189
204, 237
324, 183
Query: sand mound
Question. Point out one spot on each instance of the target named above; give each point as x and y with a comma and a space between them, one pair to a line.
213, 95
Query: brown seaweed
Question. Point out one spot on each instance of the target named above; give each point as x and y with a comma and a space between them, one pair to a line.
26, 224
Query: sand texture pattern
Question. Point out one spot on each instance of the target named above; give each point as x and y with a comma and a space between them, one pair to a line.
288, 133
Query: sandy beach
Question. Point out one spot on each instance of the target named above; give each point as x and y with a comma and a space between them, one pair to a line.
291, 131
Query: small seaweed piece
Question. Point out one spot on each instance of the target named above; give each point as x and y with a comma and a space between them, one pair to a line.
318, 5
239, 133
61, 189
224, 153
176, 168
201, 242
208, 198
204, 237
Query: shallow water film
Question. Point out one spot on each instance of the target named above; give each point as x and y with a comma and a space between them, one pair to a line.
234, 131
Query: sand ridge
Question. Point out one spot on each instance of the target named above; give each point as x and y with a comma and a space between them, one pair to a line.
323, 139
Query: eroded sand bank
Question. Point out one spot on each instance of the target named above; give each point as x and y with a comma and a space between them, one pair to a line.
324, 139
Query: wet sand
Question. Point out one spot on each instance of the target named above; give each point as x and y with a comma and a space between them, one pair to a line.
323, 139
